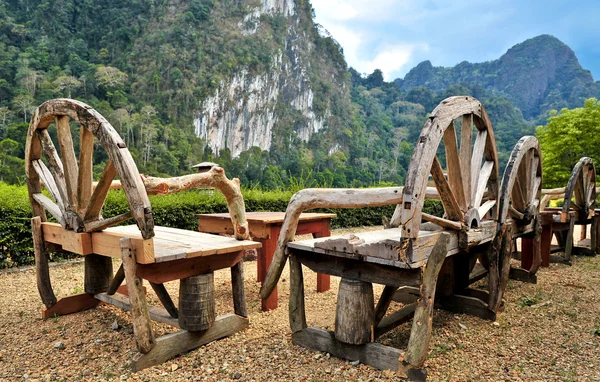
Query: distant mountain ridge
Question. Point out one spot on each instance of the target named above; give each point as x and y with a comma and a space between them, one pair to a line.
537, 75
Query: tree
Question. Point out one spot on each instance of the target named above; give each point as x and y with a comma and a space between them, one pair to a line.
23, 102
66, 83
568, 136
110, 77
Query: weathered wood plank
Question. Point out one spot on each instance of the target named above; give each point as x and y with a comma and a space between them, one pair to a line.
51, 207
99, 195
121, 301
48, 180
99, 225
444, 223
80, 243
165, 299
482, 181
116, 282
42, 272
445, 191
477, 158
465, 155
67, 151
237, 289
85, 174
297, 314
70, 304
384, 302
395, 319
142, 327
454, 166
170, 345
55, 166
420, 335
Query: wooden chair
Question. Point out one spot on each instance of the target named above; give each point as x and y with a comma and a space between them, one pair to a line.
148, 252
422, 260
579, 208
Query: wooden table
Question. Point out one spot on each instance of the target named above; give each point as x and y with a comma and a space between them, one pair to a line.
265, 227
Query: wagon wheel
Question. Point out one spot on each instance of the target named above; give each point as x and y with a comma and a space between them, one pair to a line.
519, 203
470, 191
580, 193
76, 203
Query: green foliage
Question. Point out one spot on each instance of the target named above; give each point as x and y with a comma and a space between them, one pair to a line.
568, 136
175, 210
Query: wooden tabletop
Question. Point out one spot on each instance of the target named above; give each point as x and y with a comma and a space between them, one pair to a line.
266, 217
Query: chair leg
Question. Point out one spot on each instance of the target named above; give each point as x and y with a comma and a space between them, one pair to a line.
237, 286
142, 327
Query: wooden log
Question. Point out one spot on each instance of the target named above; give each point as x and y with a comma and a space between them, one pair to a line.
355, 315
99, 225
171, 345
165, 299
42, 272
373, 354
98, 273
420, 334
214, 178
297, 313
522, 275
384, 302
70, 304
67, 151
142, 327
395, 319
197, 302
237, 288
444, 223
116, 282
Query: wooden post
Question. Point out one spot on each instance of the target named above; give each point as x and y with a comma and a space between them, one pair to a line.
116, 281
595, 234
569, 240
296, 309
265, 256
546, 243
237, 288
42, 272
527, 248
98, 273
142, 327
355, 313
418, 343
384, 303
197, 302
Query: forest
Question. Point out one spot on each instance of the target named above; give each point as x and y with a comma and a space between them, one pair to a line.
143, 65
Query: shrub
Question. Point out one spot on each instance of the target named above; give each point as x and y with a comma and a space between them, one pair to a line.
176, 210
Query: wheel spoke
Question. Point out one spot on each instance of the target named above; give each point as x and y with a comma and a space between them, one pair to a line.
48, 180
99, 195
533, 186
536, 186
449, 201
454, 166
476, 160
465, 155
444, 223
486, 207
516, 195
67, 152
84, 178
51, 207
484, 176
55, 166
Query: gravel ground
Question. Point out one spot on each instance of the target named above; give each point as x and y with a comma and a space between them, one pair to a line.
549, 331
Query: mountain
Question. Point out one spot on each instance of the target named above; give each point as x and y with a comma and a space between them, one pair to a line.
537, 75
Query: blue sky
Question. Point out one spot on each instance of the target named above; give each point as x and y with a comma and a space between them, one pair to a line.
395, 35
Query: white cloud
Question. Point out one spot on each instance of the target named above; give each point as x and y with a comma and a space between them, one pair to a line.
390, 59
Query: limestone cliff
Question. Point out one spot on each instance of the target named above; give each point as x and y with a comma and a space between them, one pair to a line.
249, 107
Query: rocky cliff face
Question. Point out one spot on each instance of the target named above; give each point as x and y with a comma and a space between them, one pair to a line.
247, 108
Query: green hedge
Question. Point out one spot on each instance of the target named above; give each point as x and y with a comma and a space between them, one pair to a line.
177, 210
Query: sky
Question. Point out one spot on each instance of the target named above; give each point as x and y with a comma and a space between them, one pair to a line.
396, 35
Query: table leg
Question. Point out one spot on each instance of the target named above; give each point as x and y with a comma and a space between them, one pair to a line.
546, 244
265, 256
323, 280
527, 244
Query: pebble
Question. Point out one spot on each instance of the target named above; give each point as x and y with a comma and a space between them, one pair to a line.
174, 367
496, 323
355, 363
115, 325
463, 327
237, 375
0, 355
59, 345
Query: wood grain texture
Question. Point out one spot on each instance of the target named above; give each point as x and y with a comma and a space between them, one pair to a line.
418, 343
237, 289
85, 175
171, 345
297, 314
42, 272
142, 327
355, 314
70, 304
